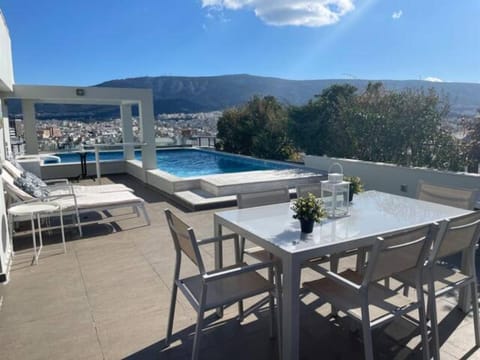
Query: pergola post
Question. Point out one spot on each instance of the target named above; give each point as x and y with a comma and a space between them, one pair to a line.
5, 128
127, 131
149, 156
29, 121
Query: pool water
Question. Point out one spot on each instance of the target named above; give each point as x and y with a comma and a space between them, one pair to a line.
188, 162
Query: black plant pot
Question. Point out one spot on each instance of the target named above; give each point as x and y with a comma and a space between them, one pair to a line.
306, 225
350, 192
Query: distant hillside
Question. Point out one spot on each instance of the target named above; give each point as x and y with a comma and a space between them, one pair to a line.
174, 94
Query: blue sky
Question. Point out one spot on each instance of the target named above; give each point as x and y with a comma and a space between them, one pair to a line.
88, 42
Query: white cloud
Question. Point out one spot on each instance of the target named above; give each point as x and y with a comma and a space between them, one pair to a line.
313, 13
432, 79
397, 14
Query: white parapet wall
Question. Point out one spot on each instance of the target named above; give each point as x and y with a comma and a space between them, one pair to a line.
6, 67
395, 179
71, 170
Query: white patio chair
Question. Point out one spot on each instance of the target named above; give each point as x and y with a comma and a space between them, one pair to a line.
457, 234
457, 197
260, 198
362, 298
211, 289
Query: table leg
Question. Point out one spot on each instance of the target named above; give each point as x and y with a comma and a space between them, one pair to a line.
62, 229
39, 235
218, 249
97, 164
291, 309
34, 238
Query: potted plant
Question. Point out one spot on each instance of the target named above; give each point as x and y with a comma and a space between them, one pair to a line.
308, 210
356, 185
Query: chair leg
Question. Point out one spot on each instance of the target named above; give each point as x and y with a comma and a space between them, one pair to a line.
366, 329
242, 248
476, 324
77, 214
171, 314
278, 291
432, 307
423, 323
240, 253
198, 333
334, 262
367, 339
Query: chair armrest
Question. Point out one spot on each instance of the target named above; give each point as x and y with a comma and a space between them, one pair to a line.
335, 277
217, 239
242, 268
56, 181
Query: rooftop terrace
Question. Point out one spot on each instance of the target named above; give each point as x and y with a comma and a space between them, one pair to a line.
108, 298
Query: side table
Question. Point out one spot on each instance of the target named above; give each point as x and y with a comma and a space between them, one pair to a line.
36, 210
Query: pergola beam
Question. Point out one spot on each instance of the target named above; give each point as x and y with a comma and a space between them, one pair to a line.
122, 97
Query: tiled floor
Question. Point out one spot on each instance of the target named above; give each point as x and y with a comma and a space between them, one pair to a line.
108, 298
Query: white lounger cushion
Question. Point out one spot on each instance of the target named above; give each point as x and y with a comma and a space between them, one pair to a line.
81, 189
94, 189
100, 201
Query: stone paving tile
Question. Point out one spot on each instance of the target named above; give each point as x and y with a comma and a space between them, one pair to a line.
65, 336
108, 298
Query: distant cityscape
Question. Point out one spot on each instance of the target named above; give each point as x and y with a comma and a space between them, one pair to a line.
70, 135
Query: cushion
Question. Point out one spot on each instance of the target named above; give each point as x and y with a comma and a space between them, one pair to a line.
28, 187
33, 178
31, 184
12, 169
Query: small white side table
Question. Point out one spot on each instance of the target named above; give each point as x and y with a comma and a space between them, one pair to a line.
36, 210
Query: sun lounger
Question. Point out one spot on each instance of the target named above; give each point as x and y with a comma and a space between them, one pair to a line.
56, 185
73, 203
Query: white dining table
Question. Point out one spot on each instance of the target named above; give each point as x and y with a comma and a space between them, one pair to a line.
272, 227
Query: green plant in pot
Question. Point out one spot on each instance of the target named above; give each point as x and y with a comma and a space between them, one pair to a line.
308, 210
356, 185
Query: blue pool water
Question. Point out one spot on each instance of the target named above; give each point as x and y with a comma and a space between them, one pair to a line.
188, 162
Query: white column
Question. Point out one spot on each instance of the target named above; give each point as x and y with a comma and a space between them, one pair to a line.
127, 131
29, 121
5, 148
149, 156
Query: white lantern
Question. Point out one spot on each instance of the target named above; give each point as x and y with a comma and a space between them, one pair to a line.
335, 193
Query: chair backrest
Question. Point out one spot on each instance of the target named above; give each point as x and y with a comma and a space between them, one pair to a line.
459, 233
305, 189
13, 191
184, 240
12, 169
260, 198
457, 197
399, 252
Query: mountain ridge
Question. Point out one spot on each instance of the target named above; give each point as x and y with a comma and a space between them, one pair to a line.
190, 94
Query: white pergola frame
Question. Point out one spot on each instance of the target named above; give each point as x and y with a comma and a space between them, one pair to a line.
122, 97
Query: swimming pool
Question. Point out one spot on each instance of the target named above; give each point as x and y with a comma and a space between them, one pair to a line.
186, 163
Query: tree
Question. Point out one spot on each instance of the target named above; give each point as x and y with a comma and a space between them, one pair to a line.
472, 146
258, 128
378, 125
319, 127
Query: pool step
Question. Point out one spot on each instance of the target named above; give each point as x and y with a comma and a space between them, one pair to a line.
232, 184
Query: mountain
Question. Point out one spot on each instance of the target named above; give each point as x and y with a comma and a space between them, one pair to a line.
174, 94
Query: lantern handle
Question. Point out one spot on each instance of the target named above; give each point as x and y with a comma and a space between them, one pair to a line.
336, 164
